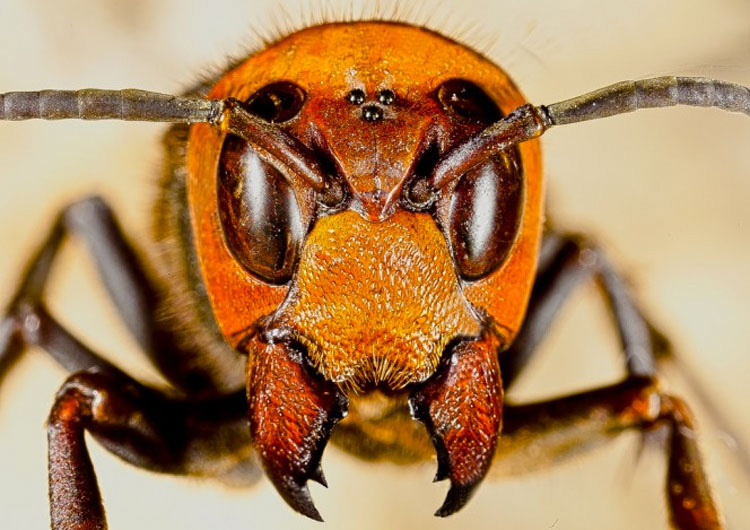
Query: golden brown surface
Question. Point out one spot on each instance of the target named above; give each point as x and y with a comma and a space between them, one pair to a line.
376, 303
665, 192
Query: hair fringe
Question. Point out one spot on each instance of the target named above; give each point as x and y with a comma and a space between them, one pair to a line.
279, 21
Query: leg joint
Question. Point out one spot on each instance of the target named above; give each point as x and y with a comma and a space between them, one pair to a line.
85, 212
101, 402
583, 249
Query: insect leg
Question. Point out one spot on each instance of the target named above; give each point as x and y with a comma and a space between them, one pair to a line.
143, 427
566, 261
28, 322
539, 434
134, 294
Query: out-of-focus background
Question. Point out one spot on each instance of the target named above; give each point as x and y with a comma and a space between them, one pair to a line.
666, 192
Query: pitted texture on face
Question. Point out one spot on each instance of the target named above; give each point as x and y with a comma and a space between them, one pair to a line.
376, 303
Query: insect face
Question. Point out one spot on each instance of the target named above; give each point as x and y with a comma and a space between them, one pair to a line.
365, 269
374, 284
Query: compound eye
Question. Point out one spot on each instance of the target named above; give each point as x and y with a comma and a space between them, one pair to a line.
276, 103
466, 102
485, 215
259, 213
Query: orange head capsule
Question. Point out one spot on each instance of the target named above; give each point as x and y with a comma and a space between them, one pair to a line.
373, 276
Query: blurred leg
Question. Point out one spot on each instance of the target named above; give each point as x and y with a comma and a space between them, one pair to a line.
566, 262
134, 294
540, 434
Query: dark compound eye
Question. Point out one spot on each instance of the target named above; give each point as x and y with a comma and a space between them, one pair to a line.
259, 213
467, 102
276, 103
485, 215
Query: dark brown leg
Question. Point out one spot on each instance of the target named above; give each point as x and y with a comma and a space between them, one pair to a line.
539, 434
133, 292
567, 261
141, 426
27, 321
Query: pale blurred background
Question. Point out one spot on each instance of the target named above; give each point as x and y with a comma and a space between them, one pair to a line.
667, 193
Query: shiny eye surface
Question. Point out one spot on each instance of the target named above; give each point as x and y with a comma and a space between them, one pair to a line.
485, 215
276, 103
467, 102
259, 213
